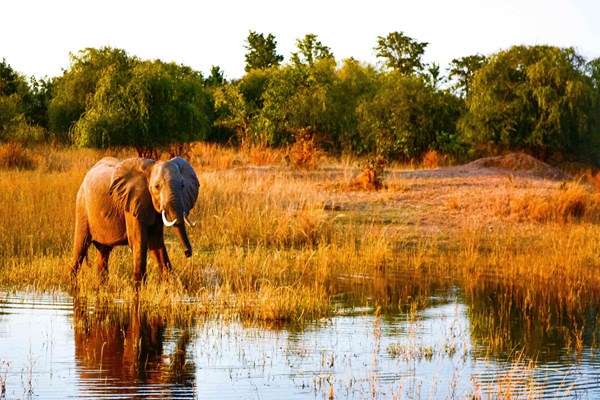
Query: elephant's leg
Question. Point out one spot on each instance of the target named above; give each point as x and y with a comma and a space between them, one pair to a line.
162, 259
81, 243
138, 242
103, 254
156, 244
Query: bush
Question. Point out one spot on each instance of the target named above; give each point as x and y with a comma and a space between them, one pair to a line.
433, 159
371, 177
305, 152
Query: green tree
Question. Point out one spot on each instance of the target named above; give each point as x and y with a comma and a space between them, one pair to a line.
239, 104
298, 99
37, 101
536, 99
216, 77
79, 83
233, 113
434, 75
401, 53
262, 52
310, 50
153, 105
11, 82
19, 112
461, 72
354, 83
11, 110
406, 117
593, 69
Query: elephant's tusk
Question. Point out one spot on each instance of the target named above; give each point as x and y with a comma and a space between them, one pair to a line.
166, 222
187, 220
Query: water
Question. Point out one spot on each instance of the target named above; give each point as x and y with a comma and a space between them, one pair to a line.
53, 347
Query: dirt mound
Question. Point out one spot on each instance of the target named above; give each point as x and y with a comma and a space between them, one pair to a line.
519, 162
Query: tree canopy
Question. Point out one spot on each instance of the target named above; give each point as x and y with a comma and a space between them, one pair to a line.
108, 98
538, 99
262, 52
543, 100
401, 53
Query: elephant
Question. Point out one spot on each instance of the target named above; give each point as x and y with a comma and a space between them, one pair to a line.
128, 203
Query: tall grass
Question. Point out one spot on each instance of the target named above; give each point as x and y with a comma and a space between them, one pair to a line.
275, 244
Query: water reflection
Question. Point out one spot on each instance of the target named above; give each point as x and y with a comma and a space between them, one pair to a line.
505, 318
121, 350
387, 340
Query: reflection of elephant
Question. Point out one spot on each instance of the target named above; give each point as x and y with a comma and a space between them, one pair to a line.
126, 347
121, 203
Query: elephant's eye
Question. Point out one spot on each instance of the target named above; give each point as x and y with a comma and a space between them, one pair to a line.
157, 186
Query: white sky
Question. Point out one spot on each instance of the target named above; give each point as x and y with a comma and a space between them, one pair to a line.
36, 36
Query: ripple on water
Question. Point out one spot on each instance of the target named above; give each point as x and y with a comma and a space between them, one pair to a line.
56, 350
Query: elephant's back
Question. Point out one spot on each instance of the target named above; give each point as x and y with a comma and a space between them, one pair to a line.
97, 181
106, 219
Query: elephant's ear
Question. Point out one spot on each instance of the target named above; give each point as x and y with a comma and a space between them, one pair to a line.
190, 180
129, 188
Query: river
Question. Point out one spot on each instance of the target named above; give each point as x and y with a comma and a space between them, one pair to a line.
54, 346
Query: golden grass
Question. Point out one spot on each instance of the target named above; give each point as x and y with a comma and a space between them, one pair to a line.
278, 244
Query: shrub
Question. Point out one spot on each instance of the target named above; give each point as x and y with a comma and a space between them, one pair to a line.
433, 159
305, 152
371, 177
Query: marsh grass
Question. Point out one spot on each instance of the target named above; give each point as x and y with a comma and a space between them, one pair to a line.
277, 244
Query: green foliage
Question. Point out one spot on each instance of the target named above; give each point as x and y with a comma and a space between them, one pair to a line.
310, 50
540, 99
10, 113
297, 98
262, 52
401, 53
461, 72
353, 84
233, 113
80, 82
535, 99
108, 98
18, 112
148, 106
216, 77
11, 82
239, 104
37, 100
406, 117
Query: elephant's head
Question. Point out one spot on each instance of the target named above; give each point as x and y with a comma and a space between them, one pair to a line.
145, 187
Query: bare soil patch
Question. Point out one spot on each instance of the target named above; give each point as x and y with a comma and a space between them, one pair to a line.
488, 194
512, 164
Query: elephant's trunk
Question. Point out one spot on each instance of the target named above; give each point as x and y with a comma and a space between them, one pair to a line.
179, 225
183, 239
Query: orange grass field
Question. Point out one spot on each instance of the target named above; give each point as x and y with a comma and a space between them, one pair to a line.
277, 242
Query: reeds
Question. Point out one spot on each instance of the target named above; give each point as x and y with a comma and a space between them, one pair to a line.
275, 243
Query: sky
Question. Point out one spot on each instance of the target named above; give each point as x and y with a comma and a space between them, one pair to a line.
36, 36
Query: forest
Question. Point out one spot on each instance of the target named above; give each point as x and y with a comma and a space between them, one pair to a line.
541, 100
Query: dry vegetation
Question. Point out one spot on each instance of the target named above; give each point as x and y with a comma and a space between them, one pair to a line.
279, 243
